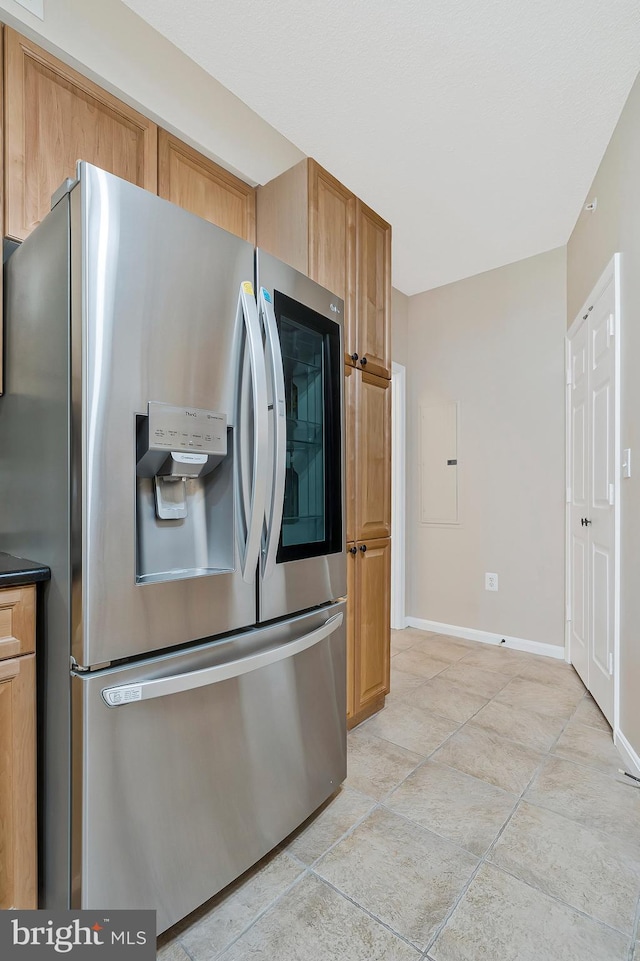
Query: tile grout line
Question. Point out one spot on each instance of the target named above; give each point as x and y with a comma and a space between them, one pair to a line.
635, 934
309, 870
271, 904
485, 858
384, 924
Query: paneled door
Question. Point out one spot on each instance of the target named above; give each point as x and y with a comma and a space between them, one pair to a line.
593, 573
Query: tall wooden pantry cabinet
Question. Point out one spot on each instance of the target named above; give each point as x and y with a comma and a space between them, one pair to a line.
310, 220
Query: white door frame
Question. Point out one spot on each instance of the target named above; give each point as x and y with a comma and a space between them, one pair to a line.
611, 272
398, 481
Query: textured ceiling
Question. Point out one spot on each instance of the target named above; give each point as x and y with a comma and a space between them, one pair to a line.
474, 126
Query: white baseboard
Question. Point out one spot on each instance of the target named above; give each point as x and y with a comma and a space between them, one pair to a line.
485, 637
631, 758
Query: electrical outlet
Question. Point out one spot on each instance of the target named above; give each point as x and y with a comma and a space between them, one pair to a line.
491, 582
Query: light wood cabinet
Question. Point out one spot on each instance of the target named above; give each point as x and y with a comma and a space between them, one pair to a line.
352, 552
369, 616
18, 862
53, 117
373, 291
192, 181
310, 220
373, 456
332, 243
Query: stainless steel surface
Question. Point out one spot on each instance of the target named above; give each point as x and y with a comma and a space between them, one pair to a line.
35, 502
273, 517
187, 429
303, 584
183, 793
167, 799
144, 690
157, 327
247, 310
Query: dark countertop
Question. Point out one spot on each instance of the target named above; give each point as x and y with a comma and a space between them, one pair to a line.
15, 571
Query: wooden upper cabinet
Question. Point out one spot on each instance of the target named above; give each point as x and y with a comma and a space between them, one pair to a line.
192, 181
373, 456
54, 117
373, 291
310, 220
332, 247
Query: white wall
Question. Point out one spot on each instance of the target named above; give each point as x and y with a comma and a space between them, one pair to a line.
495, 344
615, 226
106, 41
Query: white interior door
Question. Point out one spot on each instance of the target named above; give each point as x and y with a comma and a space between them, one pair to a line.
579, 475
593, 489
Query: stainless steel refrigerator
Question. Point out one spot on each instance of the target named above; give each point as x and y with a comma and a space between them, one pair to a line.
172, 446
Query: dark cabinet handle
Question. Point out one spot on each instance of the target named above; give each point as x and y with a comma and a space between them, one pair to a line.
354, 357
584, 522
363, 548
364, 361
353, 550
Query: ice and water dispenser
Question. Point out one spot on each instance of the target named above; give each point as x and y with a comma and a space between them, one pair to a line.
184, 496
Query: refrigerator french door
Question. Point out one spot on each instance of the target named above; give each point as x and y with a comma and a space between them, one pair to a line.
303, 561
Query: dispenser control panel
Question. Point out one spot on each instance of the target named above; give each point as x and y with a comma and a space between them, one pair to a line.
187, 429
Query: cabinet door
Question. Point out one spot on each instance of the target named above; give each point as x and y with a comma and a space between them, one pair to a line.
351, 628
373, 635
17, 621
55, 116
373, 291
332, 244
18, 873
373, 456
192, 181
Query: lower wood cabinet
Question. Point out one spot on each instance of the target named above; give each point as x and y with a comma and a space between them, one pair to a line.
368, 631
18, 860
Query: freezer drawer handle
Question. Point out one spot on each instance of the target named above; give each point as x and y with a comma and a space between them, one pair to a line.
129, 693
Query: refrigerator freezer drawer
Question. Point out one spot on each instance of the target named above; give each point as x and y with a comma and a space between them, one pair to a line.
203, 763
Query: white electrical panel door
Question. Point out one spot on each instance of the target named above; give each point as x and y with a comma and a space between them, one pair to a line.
439, 464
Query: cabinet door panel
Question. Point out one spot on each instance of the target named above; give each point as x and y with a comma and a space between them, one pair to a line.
55, 116
373, 287
332, 243
17, 621
373, 456
372, 644
17, 783
351, 630
192, 181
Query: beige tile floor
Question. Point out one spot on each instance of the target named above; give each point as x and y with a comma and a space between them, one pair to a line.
483, 819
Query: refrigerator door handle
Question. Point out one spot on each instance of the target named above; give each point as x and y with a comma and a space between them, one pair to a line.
274, 515
177, 683
247, 305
